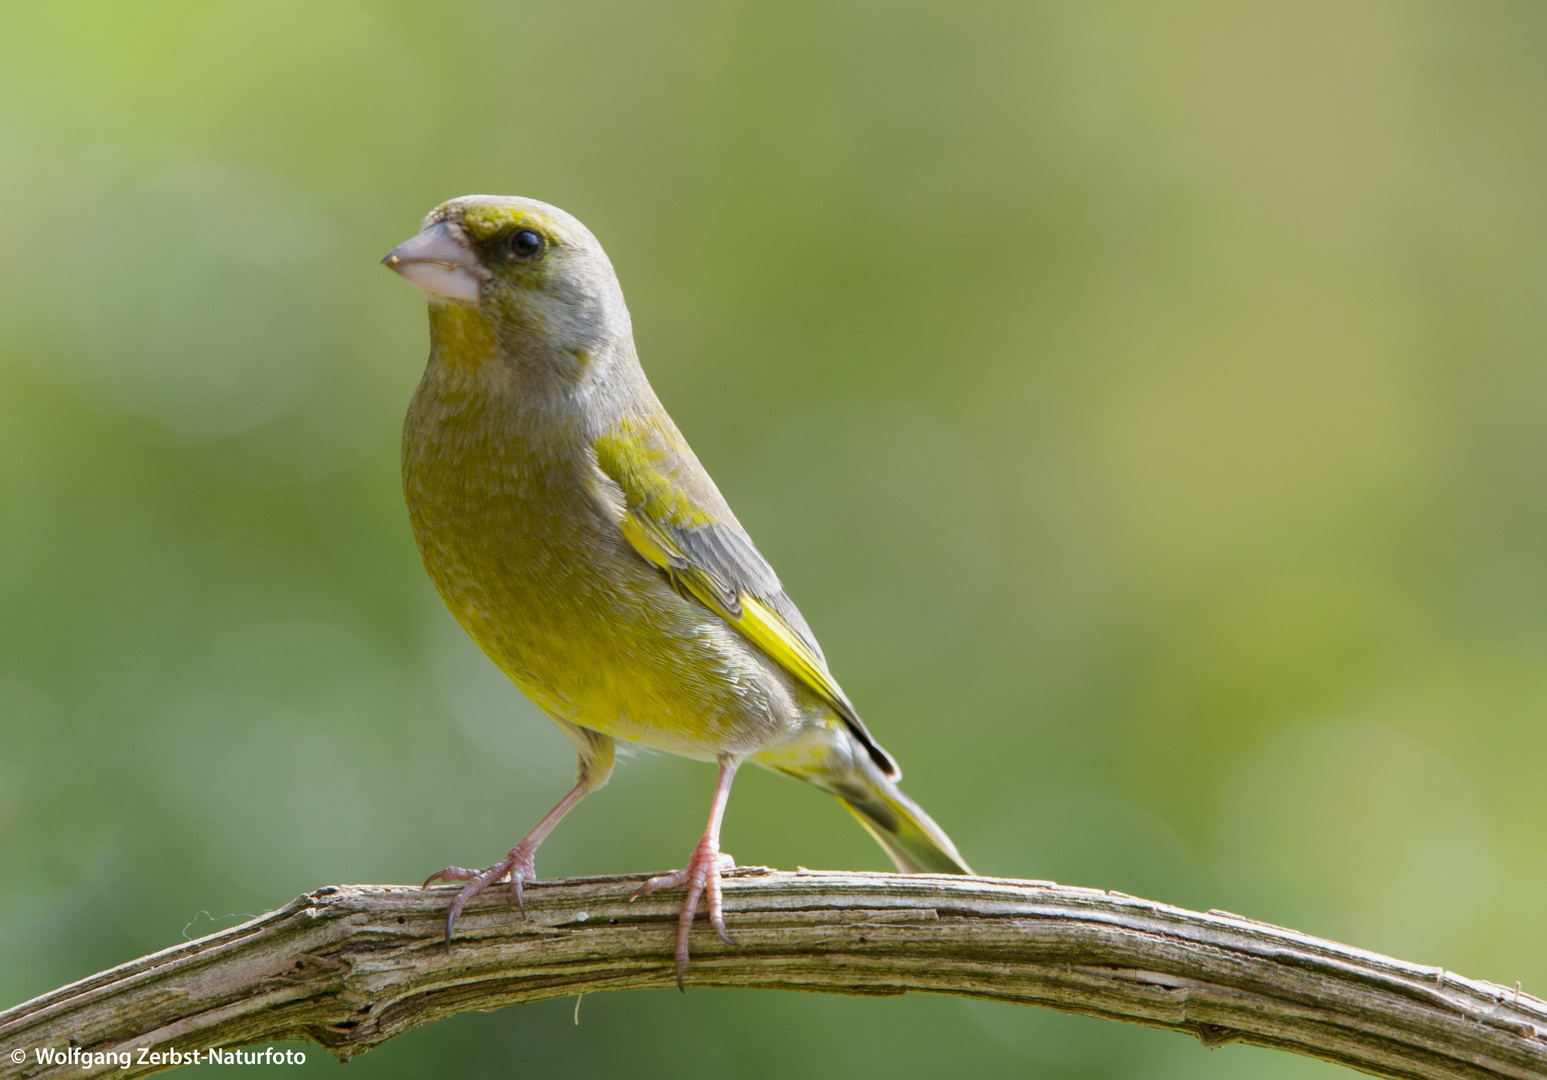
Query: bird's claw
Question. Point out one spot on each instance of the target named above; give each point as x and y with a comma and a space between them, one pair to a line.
701, 877
519, 865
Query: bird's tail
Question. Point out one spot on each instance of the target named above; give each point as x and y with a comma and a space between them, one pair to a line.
910, 836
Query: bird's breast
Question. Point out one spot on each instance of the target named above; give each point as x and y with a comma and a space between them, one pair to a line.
506, 518
522, 538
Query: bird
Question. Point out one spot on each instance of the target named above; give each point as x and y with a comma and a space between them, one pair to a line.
575, 536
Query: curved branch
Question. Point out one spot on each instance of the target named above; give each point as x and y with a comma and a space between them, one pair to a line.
350, 967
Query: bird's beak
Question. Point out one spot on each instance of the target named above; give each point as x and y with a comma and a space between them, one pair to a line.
440, 263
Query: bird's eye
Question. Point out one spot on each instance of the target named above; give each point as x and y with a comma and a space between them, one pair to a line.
524, 243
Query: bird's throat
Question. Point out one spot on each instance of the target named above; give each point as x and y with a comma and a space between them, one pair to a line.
462, 335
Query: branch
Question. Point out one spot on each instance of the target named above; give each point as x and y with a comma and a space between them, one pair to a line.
350, 967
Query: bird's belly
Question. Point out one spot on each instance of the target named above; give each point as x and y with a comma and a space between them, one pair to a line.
594, 634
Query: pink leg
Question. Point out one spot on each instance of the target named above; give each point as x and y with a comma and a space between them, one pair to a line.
519, 864
702, 873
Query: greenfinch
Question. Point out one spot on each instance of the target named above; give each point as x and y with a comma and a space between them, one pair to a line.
574, 535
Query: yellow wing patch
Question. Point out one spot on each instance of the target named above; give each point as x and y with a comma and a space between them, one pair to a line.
670, 501
765, 629
644, 461
756, 621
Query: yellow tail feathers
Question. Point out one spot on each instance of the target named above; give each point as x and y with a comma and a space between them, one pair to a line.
910, 836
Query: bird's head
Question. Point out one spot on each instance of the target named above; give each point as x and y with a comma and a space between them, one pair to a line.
534, 272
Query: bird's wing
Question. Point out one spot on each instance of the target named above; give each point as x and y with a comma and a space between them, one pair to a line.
677, 519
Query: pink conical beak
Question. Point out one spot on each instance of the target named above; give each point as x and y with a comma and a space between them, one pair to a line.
440, 262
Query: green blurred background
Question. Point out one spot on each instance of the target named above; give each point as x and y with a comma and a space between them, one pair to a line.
1144, 402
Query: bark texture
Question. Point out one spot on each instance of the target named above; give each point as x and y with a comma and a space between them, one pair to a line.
349, 967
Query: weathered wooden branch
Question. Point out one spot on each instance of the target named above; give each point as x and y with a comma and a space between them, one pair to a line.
349, 967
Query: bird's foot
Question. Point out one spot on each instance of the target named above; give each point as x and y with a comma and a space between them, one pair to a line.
519, 865
701, 876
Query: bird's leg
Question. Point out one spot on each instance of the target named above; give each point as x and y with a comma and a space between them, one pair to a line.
519, 864
702, 873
